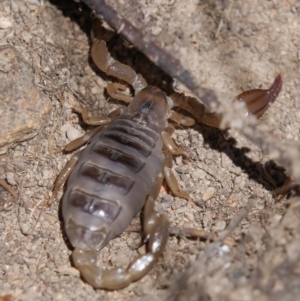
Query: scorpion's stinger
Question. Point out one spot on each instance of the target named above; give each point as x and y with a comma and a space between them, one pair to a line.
258, 100
117, 278
156, 233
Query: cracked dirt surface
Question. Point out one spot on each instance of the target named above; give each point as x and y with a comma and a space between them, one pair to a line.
230, 46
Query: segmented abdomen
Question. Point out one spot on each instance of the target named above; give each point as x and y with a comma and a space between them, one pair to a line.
112, 179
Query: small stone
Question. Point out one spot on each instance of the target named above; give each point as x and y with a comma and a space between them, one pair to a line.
182, 169
47, 174
95, 90
209, 194
72, 133
219, 226
239, 182
5, 23
10, 178
25, 228
198, 174
26, 37
230, 203
206, 220
82, 90
226, 161
178, 160
189, 216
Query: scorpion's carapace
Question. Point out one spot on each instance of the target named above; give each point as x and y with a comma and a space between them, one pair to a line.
123, 167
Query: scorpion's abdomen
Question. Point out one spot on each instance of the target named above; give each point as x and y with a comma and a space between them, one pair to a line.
111, 181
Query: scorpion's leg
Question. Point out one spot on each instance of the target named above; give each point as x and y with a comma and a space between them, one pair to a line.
78, 142
172, 149
63, 176
156, 233
171, 179
169, 143
181, 119
111, 67
91, 120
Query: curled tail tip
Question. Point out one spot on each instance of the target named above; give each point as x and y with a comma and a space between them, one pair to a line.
275, 88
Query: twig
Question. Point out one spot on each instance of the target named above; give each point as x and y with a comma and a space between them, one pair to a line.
7, 187
237, 219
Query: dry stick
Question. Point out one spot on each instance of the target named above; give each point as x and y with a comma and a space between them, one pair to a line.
237, 219
12, 191
233, 113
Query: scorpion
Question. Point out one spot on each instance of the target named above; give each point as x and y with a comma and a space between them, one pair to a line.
122, 168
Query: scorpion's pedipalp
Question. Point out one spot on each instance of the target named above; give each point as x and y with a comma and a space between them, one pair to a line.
115, 91
171, 146
258, 100
111, 67
63, 175
92, 120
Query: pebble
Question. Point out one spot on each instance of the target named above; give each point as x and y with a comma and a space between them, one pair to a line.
219, 226
72, 133
10, 178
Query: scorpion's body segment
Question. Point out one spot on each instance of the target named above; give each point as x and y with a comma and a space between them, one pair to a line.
116, 173
122, 169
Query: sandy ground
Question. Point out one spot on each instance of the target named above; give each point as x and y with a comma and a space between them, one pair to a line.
230, 46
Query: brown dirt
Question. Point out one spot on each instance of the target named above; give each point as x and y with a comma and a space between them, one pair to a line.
230, 46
